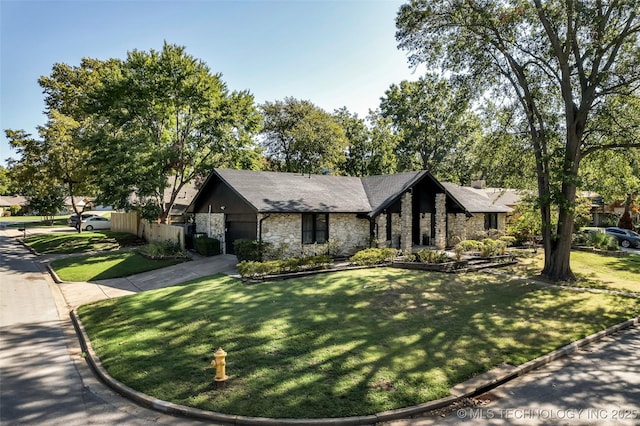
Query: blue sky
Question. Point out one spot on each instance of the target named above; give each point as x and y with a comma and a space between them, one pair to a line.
333, 53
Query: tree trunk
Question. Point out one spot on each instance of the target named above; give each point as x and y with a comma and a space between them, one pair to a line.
557, 266
75, 208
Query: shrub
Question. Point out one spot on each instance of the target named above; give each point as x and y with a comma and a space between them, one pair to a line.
432, 256
157, 249
374, 256
207, 246
487, 247
491, 247
252, 269
603, 241
509, 240
251, 249
468, 245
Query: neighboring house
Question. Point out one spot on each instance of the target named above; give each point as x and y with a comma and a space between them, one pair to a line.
81, 203
6, 201
304, 213
183, 199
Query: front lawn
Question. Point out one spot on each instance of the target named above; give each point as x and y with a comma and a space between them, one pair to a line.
340, 344
74, 242
34, 221
592, 270
105, 266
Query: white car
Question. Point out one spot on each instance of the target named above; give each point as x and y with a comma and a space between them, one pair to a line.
95, 222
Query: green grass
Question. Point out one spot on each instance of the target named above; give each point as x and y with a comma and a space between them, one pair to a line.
73, 242
340, 344
34, 221
104, 266
592, 270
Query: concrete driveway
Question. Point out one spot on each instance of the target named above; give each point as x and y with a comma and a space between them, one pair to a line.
79, 293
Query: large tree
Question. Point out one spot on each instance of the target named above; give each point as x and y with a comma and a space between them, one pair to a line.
430, 115
5, 181
165, 121
58, 158
558, 60
300, 137
36, 172
372, 143
502, 157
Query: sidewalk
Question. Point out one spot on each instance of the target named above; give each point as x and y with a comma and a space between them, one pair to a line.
79, 293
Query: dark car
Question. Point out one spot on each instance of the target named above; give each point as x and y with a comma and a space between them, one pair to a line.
626, 238
73, 220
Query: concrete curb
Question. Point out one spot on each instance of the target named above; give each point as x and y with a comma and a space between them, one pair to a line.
401, 413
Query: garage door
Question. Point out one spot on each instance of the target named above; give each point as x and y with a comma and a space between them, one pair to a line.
240, 226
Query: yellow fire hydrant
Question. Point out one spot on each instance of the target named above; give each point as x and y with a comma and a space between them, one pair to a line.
219, 363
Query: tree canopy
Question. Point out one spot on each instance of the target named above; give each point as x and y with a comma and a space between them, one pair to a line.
432, 119
300, 137
559, 61
166, 120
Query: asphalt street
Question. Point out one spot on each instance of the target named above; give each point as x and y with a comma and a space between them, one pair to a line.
43, 378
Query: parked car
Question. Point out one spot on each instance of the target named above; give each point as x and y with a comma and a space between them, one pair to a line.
95, 222
626, 238
73, 220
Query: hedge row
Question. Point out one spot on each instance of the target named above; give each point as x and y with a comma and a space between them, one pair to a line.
207, 246
251, 269
374, 256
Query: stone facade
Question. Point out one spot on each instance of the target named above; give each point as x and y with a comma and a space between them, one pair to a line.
425, 229
441, 221
458, 228
396, 224
213, 225
347, 234
283, 231
475, 225
406, 243
381, 223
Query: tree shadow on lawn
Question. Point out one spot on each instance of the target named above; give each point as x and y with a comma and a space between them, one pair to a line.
629, 263
341, 344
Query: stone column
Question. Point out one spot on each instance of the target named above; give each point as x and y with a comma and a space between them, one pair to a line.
441, 221
406, 243
381, 221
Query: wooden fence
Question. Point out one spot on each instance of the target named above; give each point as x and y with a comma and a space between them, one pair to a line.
159, 232
125, 222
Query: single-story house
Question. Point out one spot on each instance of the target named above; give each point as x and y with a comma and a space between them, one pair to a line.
7, 201
302, 214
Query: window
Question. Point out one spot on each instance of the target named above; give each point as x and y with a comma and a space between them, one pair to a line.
491, 221
315, 228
